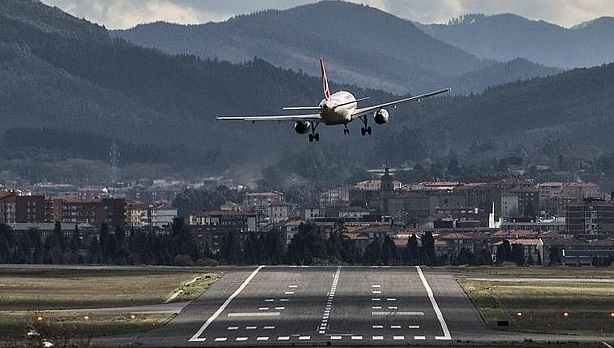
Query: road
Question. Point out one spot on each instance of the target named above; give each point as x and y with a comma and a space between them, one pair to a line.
268, 306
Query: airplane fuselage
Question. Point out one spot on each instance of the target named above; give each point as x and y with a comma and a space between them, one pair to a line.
332, 115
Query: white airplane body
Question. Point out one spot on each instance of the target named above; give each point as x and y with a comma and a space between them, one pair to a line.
339, 108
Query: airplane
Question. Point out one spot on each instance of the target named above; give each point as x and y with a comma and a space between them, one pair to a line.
339, 108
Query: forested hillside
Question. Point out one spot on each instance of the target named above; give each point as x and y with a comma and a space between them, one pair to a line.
364, 46
68, 92
508, 36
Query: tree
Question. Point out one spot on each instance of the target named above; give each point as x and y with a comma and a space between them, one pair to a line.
428, 249
518, 254
412, 251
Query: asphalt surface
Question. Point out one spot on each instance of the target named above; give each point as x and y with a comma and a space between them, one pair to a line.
285, 306
543, 280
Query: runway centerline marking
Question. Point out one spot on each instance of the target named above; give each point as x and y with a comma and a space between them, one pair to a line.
196, 337
329, 302
262, 338
429, 291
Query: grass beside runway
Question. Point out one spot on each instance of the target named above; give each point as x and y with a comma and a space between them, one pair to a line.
44, 289
56, 327
540, 308
535, 272
28, 293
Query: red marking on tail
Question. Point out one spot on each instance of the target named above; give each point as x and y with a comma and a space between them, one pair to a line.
324, 80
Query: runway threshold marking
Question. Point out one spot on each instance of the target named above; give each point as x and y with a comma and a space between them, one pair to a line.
196, 337
442, 322
255, 314
398, 313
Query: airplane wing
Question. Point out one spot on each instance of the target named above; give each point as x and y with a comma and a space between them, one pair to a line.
279, 118
367, 110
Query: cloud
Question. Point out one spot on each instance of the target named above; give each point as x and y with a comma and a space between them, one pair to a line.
128, 13
566, 13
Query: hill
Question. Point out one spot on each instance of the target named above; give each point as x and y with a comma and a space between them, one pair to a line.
58, 82
364, 46
507, 36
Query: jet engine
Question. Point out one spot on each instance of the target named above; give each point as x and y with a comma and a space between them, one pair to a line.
381, 116
302, 127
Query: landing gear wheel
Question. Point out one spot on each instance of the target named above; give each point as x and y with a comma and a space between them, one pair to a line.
369, 130
310, 138
363, 131
317, 137
346, 131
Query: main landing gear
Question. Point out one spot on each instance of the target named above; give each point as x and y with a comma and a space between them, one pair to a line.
366, 129
346, 130
314, 136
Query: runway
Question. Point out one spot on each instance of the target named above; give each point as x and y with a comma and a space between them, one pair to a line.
268, 306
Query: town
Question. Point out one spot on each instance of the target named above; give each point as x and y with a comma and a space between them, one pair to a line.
377, 221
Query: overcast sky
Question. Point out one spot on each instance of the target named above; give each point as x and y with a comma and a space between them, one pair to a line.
116, 14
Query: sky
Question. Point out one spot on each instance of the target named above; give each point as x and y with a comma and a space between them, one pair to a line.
121, 14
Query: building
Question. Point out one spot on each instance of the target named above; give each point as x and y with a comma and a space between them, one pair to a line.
279, 211
590, 217
311, 213
358, 213
509, 205
211, 227
95, 212
24, 209
259, 201
528, 201
289, 229
335, 196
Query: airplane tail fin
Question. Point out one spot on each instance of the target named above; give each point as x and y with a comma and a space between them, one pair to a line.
324, 80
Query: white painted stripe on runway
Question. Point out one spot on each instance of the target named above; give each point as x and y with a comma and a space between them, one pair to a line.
393, 307
395, 326
269, 300
259, 314
336, 337
419, 337
376, 307
289, 293
220, 339
219, 311
283, 338
606, 344
280, 308
376, 299
284, 300
376, 292
321, 332
262, 338
293, 286
233, 328
378, 337
269, 327
329, 302
378, 326
399, 313
439, 338
241, 339
304, 338
250, 327
414, 326
263, 308
429, 291
398, 337
357, 337
391, 299
375, 286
